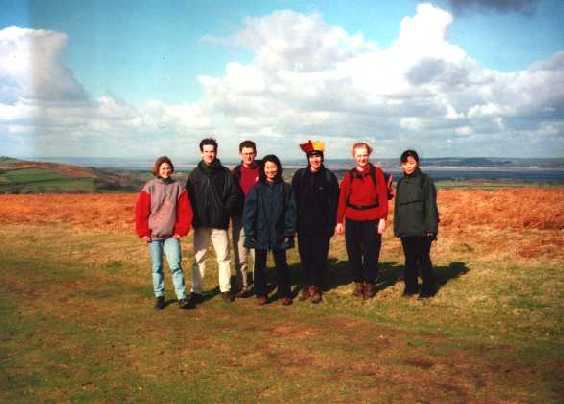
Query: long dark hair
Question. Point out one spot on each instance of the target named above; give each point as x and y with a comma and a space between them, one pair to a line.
273, 159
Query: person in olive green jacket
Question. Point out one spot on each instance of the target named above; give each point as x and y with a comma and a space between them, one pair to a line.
416, 223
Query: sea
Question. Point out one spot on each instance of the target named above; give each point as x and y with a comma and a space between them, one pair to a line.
520, 170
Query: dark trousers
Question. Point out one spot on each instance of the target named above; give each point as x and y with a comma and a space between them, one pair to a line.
417, 261
363, 249
282, 272
314, 250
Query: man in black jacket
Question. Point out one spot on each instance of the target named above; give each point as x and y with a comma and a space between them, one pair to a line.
214, 196
316, 192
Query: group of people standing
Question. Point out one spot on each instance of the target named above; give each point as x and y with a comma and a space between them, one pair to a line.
266, 213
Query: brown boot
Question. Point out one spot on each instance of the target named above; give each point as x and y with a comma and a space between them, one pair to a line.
358, 289
286, 301
305, 294
369, 290
316, 295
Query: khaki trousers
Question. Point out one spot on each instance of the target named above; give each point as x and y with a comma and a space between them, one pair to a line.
220, 243
242, 265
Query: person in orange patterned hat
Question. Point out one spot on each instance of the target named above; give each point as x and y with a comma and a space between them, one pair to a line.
316, 191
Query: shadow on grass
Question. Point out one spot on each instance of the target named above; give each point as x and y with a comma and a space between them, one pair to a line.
389, 273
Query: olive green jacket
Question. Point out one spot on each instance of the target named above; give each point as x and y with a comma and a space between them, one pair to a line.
416, 212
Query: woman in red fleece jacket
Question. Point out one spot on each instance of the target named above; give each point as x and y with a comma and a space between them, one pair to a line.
164, 214
363, 204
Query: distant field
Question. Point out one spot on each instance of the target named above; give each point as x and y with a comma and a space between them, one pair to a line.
18, 176
77, 324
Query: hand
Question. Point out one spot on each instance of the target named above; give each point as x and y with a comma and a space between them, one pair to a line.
381, 226
177, 236
147, 239
288, 242
339, 228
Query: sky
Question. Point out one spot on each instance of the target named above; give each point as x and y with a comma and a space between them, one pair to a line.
449, 78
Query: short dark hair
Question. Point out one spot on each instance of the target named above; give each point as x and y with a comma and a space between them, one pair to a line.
409, 153
249, 144
273, 159
160, 161
208, 140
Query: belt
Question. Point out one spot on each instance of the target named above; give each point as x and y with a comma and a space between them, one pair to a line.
362, 207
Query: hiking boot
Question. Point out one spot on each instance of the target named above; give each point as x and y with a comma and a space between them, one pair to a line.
369, 290
305, 294
227, 297
160, 303
261, 300
358, 289
185, 304
316, 295
286, 301
244, 292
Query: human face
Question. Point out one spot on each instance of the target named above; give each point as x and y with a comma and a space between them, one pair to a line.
409, 166
208, 153
248, 155
315, 161
165, 170
270, 171
361, 157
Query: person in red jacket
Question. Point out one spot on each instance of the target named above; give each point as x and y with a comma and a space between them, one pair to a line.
163, 214
363, 204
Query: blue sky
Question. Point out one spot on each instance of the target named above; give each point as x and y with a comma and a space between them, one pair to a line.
163, 74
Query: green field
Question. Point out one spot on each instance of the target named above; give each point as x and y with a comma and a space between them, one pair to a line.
77, 324
31, 180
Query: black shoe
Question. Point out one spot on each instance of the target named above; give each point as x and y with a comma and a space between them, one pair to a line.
227, 297
427, 293
185, 304
409, 292
160, 303
194, 299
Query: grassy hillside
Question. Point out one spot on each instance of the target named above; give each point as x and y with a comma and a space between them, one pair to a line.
77, 324
19, 176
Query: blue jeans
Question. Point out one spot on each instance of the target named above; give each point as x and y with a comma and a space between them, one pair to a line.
171, 248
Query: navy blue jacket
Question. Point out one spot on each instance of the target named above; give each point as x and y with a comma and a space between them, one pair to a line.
269, 216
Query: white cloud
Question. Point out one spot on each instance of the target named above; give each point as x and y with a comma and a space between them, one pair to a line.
307, 79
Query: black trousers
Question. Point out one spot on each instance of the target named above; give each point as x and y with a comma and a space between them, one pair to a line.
418, 261
282, 272
314, 250
363, 249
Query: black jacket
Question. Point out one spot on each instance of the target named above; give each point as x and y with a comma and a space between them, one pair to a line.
213, 194
317, 195
416, 212
269, 216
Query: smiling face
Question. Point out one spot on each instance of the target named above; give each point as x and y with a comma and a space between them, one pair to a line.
248, 155
165, 170
208, 153
361, 157
315, 161
270, 171
409, 166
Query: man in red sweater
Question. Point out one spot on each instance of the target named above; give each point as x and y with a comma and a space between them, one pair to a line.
363, 202
246, 175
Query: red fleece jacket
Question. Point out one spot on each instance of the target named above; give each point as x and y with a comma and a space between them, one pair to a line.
362, 192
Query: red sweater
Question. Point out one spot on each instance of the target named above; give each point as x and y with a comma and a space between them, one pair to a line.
362, 192
163, 209
249, 177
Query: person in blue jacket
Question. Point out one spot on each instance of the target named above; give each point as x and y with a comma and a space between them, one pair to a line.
269, 219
